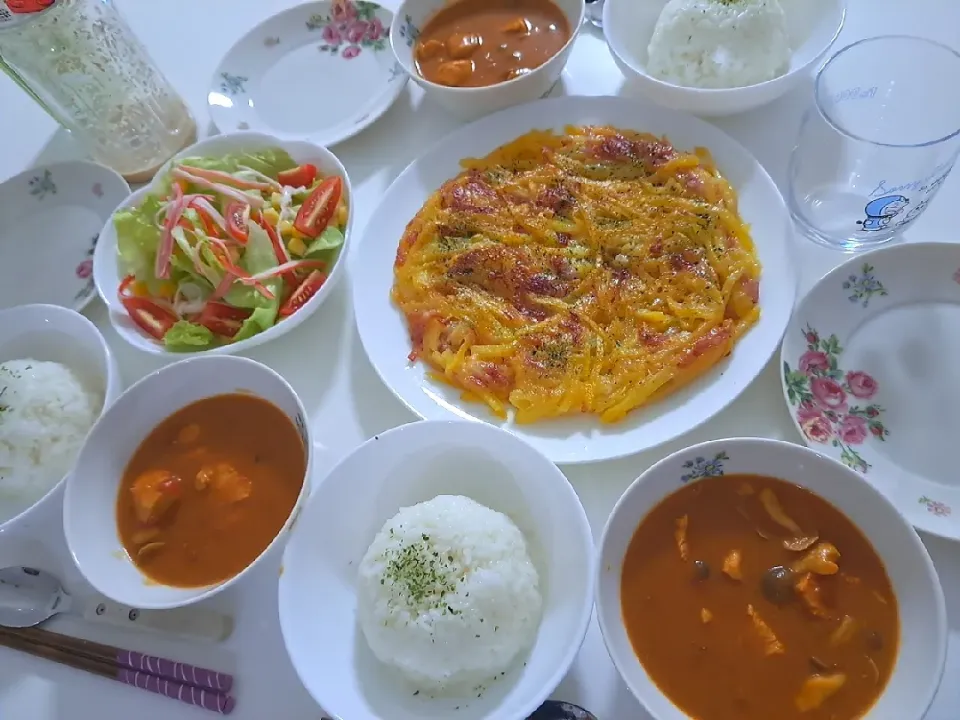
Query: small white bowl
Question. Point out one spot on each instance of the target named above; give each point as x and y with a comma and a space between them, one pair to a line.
107, 274
56, 334
469, 103
923, 618
812, 26
90, 498
402, 467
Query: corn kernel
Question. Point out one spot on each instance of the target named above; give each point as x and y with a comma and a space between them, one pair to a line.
341, 216
286, 227
139, 289
296, 246
271, 215
167, 289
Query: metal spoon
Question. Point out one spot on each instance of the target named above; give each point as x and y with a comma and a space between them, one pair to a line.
556, 710
29, 597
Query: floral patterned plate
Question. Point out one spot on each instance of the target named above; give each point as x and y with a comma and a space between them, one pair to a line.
871, 375
52, 217
319, 72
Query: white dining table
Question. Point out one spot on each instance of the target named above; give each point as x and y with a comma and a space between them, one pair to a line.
325, 363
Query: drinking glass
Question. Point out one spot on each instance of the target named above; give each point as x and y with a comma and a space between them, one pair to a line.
878, 142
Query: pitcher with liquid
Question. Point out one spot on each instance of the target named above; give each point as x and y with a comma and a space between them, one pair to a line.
81, 62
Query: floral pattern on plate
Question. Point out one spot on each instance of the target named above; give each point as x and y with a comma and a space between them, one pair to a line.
864, 287
84, 271
408, 31
233, 85
42, 185
350, 28
834, 405
700, 467
935, 507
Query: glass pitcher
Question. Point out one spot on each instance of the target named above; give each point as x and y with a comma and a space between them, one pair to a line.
81, 62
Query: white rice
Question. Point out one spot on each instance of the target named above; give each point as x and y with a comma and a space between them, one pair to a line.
719, 43
448, 595
45, 414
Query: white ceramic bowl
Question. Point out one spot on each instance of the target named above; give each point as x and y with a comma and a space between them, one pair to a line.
53, 333
923, 620
812, 26
399, 468
90, 499
107, 274
469, 103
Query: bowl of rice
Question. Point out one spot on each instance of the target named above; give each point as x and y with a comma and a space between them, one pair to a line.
719, 57
448, 567
57, 375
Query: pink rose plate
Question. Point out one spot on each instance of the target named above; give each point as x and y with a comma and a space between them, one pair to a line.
320, 71
871, 375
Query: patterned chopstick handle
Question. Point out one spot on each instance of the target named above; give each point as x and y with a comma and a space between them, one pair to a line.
175, 671
215, 701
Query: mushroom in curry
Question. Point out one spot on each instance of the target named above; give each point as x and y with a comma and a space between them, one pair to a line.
748, 598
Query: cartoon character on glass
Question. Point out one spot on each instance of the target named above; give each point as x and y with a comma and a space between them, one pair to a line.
881, 211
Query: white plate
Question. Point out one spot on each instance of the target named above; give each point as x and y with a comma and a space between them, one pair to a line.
309, 72
575, 439
52, 217
871, 377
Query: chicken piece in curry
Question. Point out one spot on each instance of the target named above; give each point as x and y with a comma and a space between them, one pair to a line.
748, 598
209, 489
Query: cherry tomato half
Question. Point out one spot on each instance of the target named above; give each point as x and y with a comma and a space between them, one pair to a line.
307, 289
222, 319
236, 217
319, 207
300, 176
151, 317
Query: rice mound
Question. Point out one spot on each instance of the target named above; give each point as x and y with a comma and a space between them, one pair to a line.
45, 414
719, 43
448, 594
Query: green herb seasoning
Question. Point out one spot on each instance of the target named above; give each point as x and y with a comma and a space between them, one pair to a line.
422, 576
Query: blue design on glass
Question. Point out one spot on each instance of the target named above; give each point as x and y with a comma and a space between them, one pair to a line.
700, 467
881, 211
232, 84
42, 185
408, 31
864, 287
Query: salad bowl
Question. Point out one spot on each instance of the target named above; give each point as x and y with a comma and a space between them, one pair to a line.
234, 219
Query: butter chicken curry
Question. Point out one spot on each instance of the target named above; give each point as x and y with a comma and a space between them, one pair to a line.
476, 43
209, 489
747, 598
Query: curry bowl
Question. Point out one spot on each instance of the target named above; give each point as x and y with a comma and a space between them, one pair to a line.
187, 481
469, 103
753, 578
326, 575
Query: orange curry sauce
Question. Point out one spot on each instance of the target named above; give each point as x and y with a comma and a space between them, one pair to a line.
731, 624
476, 43
209, 489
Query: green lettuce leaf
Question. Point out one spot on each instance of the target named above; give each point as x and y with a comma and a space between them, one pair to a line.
330, 239
138, 238
269, 161
257, 257
186, 336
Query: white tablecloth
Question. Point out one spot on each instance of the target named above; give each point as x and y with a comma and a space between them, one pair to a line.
326, 365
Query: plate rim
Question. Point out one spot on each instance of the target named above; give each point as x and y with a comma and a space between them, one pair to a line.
923, 521
387, 98
557, 111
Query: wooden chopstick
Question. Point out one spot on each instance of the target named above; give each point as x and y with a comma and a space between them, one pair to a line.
17, 639
161, 667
